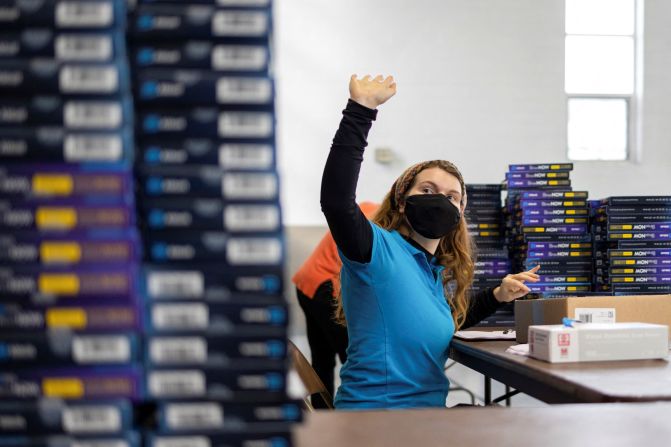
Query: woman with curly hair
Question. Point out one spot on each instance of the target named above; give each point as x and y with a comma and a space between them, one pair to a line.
406, 274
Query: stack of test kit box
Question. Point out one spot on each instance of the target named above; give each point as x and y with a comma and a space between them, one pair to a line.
216, 318
548, 226
486, 227
69, 313
633, 244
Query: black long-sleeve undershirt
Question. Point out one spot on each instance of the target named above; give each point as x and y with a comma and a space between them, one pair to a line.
349, 227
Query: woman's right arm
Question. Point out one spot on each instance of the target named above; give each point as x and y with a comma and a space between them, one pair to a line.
349, 227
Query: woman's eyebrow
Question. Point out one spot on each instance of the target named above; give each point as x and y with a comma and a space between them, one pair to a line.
430, 183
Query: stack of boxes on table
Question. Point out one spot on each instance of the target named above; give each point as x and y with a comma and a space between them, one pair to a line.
486, 226
633, 244
216, 318
69, 313
548, 226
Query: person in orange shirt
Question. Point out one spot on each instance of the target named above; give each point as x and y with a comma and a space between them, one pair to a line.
317, 286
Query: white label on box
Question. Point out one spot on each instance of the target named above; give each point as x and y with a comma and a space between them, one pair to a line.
89, 79
247, 251
106, 148
100, 443
244, 90
165, 350
92, 114
182, 441
84, 14
238, 57
84, 48
595, 315
245, 125
249, 186
176, 284
91, 419
188, 383
101, 349
206, 415
251, 217
239, 23
180, 316
246, 156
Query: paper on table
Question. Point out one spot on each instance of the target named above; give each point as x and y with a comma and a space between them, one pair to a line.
507, 334
519, 349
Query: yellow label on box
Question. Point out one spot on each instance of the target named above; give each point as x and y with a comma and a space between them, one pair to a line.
555, 166
63, 387
60, 252
571, 288
568, 203
552, 174
52, 184
569, 194
540, 230
570, 212
61, 218
628, 253
629, 262
72, 318
628, 270
58, 283
552, 182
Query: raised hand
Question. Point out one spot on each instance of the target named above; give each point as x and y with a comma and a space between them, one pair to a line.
512, 286
371, 92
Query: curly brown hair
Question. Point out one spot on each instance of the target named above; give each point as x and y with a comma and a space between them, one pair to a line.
455, 251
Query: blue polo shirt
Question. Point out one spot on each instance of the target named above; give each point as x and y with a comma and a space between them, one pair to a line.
400, 327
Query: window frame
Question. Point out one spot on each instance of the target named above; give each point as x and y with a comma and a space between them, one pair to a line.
633, 100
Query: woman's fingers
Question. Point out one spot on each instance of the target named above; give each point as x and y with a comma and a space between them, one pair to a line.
371, 92
526, 277
515, 287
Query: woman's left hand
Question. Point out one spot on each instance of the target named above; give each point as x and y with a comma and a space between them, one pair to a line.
512, 286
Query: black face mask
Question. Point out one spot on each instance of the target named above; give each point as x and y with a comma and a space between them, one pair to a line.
432, 215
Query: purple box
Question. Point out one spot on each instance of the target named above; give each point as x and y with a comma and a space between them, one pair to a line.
72, 248
99, 318
64, 215
65, 181
88, 383
65, 284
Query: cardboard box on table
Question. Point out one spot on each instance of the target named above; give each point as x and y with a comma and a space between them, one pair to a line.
594, 309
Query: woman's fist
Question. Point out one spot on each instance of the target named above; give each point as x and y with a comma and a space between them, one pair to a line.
371, 92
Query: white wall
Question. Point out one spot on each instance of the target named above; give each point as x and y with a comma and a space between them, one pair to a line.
480, 82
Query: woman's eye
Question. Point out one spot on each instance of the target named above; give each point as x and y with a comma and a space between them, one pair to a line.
427, 190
